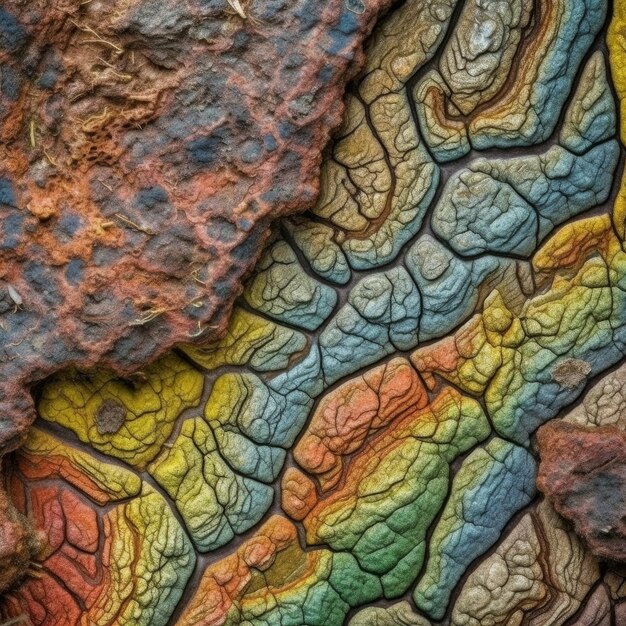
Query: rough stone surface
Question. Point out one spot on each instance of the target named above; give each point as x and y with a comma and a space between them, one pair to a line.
583, 472
540, 573
360, 446
145, 147
400, 614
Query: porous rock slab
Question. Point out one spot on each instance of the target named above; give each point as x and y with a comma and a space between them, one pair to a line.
145, 147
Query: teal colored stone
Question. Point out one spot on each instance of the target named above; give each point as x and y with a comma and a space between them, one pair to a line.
478, 214
493, 483
380, 317
448, 284
590, 118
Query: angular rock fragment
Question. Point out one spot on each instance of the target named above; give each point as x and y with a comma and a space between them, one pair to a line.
140, 146
583, 473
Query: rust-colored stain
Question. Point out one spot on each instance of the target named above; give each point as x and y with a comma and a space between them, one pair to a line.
145, 148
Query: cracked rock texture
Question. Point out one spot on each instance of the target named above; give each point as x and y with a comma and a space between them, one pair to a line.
361, 446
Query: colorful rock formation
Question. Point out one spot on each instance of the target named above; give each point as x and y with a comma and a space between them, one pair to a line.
362, 446
140, 144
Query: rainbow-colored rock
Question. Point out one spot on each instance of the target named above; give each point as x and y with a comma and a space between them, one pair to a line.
360, 448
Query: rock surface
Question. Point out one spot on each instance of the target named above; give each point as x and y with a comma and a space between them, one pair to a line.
145, 147
539, 573
359, 445
583, 472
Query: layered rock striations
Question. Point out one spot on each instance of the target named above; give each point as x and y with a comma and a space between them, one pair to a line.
363, 443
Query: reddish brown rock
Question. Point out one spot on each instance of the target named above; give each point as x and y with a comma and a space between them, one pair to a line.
583, 473
17, 542
145, 146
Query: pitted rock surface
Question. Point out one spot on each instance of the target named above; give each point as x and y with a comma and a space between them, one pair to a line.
583, 472
145, 147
